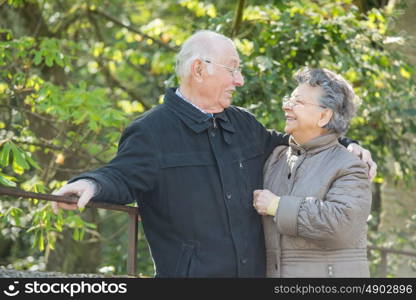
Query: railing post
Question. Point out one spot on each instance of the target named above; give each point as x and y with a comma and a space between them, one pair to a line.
132, 246
383, 264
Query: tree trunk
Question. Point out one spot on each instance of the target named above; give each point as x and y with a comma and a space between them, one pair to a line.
366, 5
376, 206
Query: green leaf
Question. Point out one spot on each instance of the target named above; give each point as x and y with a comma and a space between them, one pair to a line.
4, 154
76, 234
93, 125
5, 180
19, 158
16, 219
58, 59
58, 225
35, 239
38, 58
90, 225
32, 162
81, 235
33, 228
41, 242
49, 61
51, 240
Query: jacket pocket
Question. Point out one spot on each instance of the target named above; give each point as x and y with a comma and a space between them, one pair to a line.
250, 152
251, 169
183, 265
173, 160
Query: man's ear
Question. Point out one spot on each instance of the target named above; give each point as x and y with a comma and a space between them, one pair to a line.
325, 117
196, 70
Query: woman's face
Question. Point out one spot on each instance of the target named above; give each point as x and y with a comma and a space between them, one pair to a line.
303, 113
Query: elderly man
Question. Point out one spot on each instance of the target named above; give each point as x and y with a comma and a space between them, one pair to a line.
192, 164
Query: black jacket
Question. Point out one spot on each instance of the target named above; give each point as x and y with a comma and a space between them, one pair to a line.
193, 177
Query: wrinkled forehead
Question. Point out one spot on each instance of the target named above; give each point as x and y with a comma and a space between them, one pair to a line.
305, 91
227, 54
234, 60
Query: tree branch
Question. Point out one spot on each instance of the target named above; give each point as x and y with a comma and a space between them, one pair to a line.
66, 23
110, 18
39, 116
44, 144
41, 145
238, 18
111, 80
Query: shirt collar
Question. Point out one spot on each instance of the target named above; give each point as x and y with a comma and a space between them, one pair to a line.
178, 92
193, 116
189, 114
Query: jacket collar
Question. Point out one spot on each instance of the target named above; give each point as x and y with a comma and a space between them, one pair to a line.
193, 117
224, 121
315, 145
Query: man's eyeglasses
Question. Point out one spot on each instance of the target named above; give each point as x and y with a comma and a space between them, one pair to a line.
292, 102
233, 71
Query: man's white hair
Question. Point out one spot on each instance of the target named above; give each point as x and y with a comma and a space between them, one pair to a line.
201, 45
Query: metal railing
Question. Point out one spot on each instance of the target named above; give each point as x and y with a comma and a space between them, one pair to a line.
133, 217
382, 267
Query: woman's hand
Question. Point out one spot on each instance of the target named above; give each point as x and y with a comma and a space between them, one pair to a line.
265, 202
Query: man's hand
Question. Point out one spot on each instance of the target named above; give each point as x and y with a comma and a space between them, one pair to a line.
82, 188
262, 199
365, 156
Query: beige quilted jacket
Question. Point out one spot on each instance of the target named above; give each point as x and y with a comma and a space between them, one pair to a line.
319, 229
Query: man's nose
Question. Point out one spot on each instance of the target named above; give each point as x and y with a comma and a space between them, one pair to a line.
239, 79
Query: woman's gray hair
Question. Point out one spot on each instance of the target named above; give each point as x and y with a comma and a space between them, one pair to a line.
338, 95
203, 45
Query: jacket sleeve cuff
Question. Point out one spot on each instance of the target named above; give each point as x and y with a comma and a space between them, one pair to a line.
272, 208
287, 215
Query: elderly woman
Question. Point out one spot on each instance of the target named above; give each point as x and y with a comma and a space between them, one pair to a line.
317, 195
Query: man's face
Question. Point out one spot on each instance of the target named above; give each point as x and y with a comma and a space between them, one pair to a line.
221, 84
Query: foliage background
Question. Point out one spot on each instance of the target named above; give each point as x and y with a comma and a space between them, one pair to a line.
74, 73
